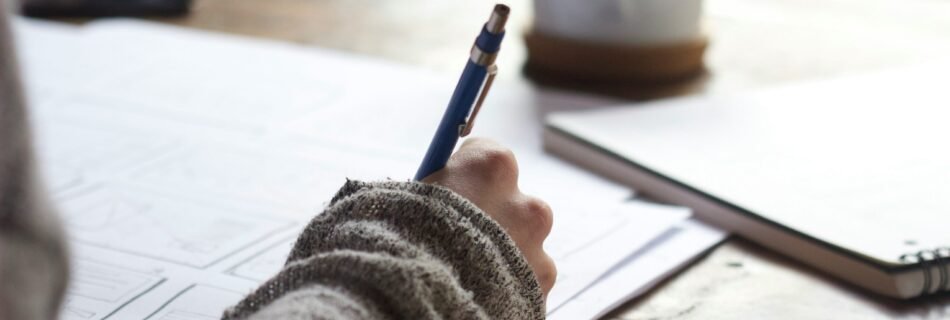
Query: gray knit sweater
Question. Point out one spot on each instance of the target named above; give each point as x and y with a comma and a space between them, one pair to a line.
399, 250
388, 250
33, 264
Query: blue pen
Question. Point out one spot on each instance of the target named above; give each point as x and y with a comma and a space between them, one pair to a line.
474, 84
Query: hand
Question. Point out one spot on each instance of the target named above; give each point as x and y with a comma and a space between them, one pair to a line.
486, 174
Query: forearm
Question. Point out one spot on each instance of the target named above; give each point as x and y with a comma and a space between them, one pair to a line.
401, 250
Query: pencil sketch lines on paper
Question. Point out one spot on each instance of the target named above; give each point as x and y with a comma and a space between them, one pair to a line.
283, 180
197, 302
250, 98
99, 289
173, 230
59, 178
71, 152
265, 263
92, 147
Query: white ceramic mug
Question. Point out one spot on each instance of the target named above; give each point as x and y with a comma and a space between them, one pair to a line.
630, 22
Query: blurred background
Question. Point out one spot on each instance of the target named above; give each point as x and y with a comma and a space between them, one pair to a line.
752, 43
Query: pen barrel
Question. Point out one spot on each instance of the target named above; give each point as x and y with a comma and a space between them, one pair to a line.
486, 47
489, 42
447, 134
468, 89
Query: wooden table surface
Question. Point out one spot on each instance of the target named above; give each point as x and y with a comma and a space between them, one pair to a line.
754, 44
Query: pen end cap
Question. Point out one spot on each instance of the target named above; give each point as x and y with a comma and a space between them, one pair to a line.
496, 23
501, 9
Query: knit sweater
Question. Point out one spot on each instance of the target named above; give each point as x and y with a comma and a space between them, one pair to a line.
399, 250
387, 250
33, 263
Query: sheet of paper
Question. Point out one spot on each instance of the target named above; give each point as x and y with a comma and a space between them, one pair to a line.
185, 163
584, 247
649, 265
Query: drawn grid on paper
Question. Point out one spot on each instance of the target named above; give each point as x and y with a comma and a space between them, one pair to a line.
69, 152
97, 289
197, 302
278, 179
266, 263
173, 230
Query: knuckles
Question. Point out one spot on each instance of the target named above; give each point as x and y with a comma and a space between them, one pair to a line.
485, 164
498, 165
538, 216
547, 274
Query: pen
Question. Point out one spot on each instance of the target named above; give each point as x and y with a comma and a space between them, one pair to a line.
469, 94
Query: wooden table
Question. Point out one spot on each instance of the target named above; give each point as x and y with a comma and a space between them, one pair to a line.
754, 44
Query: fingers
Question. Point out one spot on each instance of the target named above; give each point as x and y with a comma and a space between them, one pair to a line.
537, 216
490, 163
537, 220
482, 171
546, 272
486, 173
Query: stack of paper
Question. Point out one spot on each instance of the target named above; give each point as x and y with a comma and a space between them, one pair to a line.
185, 163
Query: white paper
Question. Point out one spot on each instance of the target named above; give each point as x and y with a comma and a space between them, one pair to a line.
184, 164
641, 271
585, 246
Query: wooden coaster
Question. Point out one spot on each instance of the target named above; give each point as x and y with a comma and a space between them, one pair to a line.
550, 56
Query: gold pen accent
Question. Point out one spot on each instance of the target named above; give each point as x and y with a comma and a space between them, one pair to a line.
466, 128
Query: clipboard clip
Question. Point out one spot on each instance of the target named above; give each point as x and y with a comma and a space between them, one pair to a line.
466, 128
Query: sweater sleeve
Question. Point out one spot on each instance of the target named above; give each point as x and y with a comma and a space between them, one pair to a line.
33, 255
399, 250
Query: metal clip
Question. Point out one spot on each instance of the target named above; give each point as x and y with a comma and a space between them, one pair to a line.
466, 128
